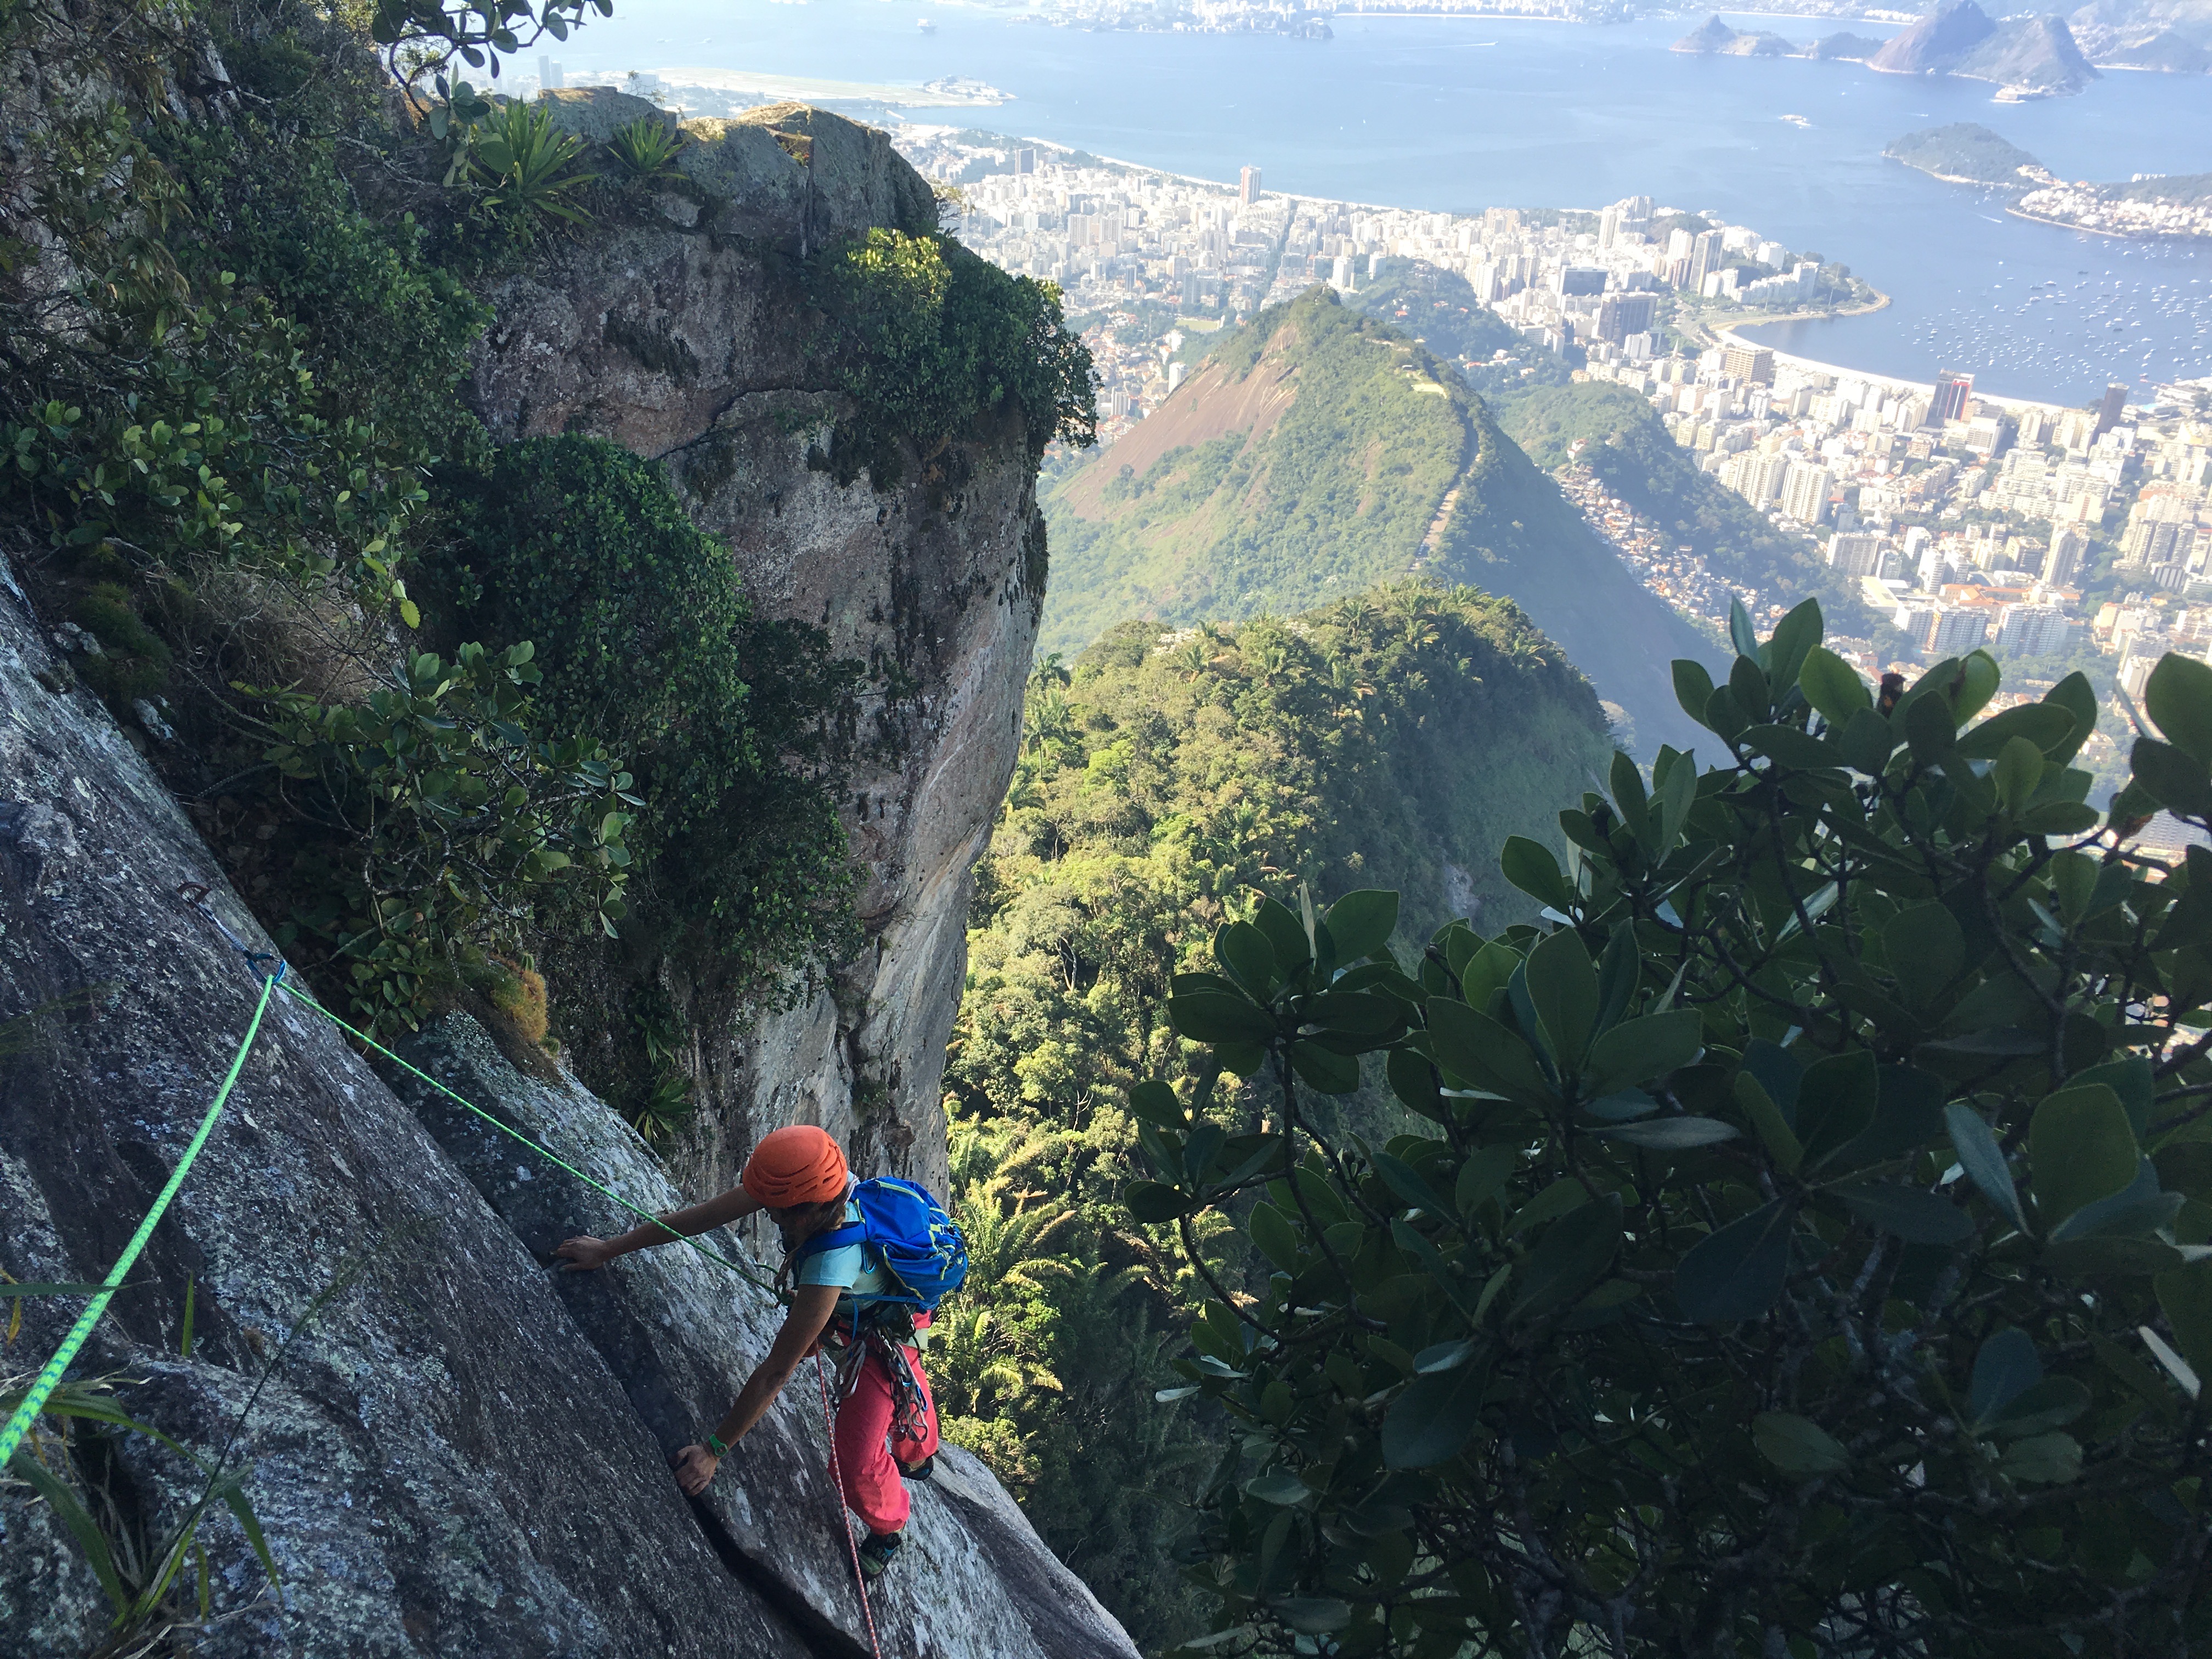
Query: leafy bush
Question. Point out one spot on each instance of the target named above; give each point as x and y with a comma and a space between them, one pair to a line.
437, 825
649, 645
1806, 1250
927, 338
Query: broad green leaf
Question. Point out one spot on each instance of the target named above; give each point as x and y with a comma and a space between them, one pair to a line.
1746, 684
1835, 1103
2074, 696
2006, 1366
1362, 922
1279, 1489
1913, 1213
1243, 949
1214, 1016
1477, 1047
2045, 725
1637, 1050
2079, 1149
2043, 1405
1742, 635
1737, 1273
1276, 1238
2018, 771
1481, 1176
2043, 1459
1672, 1135
1774, 1130
1833, 686
1324, 1069
1794, 636
1313, 1615
1693, 688
1867, 742
1797, 1445
1925, 951
1530, 866
1151, 1201
1563, 985
2178, 698
1285, 933
1983, 1160
1407, 1183
2184, 1296
1154, 1102
1432, 1418
1787, 746
1572, 1255
1488, 970
2174, 778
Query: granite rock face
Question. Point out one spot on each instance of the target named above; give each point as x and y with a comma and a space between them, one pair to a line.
686, 342
454, 1451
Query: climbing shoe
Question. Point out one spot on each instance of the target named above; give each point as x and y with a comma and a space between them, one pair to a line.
921, 1471
880, 1550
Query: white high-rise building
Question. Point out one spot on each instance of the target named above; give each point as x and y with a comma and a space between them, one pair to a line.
1804, 492
2033, 630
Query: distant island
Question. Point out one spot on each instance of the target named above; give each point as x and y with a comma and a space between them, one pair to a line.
1964, 153
1716, 39
2027, 56
2157, 206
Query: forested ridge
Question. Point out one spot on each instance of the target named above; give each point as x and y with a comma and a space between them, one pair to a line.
1315, 452
1167, 776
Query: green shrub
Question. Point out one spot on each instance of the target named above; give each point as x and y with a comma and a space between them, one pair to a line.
1806, 1250
650, 646
927, 338
528, 167
434, 825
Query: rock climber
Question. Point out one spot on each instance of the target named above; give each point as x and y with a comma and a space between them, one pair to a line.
886, 1426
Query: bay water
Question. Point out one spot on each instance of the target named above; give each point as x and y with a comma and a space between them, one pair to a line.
1463, 113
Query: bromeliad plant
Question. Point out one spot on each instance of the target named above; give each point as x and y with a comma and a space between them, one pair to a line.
1805, 1249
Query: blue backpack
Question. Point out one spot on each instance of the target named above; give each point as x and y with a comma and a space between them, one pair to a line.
920, 1246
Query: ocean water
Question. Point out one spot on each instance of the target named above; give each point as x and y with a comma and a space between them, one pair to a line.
1461, 115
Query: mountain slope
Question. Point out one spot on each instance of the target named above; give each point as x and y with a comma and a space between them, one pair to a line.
1317, 453
1961, 39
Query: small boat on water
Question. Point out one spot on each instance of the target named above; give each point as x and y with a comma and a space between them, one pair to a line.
926, 25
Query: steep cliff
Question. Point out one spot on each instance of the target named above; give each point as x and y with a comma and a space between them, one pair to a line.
683, 343
457, 1453
450, 1450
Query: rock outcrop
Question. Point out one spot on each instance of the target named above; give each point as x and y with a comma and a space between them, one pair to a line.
685, 343
455, 1452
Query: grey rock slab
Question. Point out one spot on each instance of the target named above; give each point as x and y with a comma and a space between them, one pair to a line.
442, 1464
681, 1333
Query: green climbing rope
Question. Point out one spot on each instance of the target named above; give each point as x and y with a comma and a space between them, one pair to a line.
19, 1421
551, 1157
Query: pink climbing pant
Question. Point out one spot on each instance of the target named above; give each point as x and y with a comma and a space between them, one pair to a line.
873, 1490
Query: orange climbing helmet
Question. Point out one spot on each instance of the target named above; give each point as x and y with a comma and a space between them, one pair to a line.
797, 1164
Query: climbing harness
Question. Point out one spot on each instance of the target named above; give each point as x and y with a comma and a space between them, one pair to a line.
49, 1378
276, 977
837, 1491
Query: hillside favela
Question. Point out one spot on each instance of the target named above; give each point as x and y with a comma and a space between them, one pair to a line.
1105, 829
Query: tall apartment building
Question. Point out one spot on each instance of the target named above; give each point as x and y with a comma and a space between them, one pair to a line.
548, 75
2032, 630
1954, 394
2069, 546
1754, 365
1248, 185
1804, 492
1705, 256
1857, 553
2109, 410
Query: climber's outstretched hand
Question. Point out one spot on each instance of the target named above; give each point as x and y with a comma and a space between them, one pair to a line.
582, 1254
695, 1468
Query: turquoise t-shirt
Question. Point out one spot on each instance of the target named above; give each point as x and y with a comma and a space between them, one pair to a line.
852, 1268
